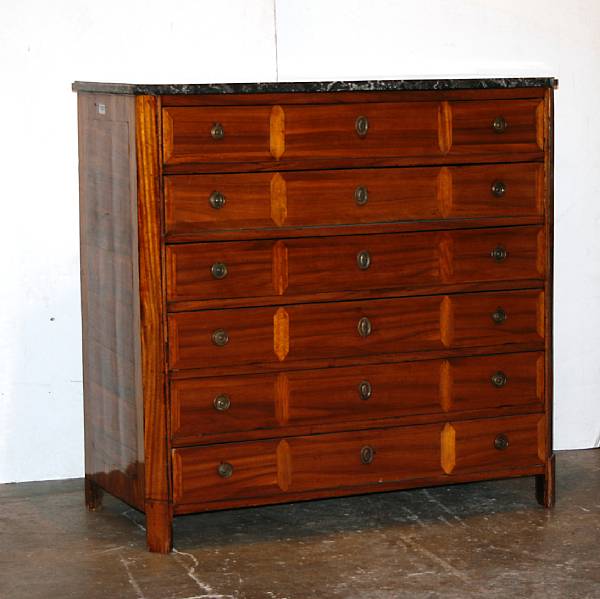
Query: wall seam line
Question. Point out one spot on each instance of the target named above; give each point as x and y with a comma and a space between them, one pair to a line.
276, 44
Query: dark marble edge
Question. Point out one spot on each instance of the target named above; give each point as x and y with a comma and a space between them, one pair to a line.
313, 86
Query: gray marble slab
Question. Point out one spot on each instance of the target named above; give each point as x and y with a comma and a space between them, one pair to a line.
313, 86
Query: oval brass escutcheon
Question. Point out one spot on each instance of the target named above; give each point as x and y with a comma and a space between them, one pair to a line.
498, 188
217, 131
361, 195
499, 379
219, 270
216, 200
499, 316
499, 253
362, 126
499, 124
363, 260
367, 453
220, 337
225, 470
221, 402
365, 390
501, 442
364, 327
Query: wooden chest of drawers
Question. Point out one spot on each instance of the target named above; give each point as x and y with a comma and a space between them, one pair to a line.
294, 291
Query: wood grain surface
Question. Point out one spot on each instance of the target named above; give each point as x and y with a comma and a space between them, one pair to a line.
114, 451
290, 267
327, 462
285, 200
346, 396
327, 330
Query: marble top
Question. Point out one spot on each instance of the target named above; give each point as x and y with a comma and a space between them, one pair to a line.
313, 86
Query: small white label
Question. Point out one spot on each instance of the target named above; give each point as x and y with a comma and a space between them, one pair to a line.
101, 108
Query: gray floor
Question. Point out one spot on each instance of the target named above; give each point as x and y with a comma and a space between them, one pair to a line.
478, 540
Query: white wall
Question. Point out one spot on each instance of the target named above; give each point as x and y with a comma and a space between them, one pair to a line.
46, 45
337, 39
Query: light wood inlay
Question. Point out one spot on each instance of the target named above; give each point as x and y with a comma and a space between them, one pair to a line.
282, 399
284, 465
540, 377
281, 333
446, 257
541, 315
540, 190
277, 132
280, 267
446, 385
541, 252
444, 191
445, 127
448, 448
539, 125
446, 321
542, 439
167, 131
278, 200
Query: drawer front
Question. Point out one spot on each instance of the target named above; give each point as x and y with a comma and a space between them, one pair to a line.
264, 133
275, 134
496, 443
209, 406
231, 471
301, 464
216, 134
218, 338
497, 126
200, 203
351, 263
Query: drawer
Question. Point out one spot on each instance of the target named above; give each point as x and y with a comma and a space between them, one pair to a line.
304, 133
290, 267
271, 133
359, 459
220, 338
492, 126
495, 443
199, 203
356, 394
299, 464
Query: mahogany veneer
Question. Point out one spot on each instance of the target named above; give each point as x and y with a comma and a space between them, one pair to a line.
297, 295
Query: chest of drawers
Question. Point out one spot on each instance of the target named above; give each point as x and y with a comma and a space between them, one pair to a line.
293, 291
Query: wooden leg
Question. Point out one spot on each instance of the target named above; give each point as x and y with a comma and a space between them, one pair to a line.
159, 526
93, 495
545, 485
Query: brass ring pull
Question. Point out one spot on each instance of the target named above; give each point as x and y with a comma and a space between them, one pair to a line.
361, 195
501, 442
499, 379
220, 337
221, 402
499, 253
365, 390
498, 188
362, 126
499, 124
217, 131
219, 270
225, 470
364, 327
499, 316
216, 200
363, 260
367, 454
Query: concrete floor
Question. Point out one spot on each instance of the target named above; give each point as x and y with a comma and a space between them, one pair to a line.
478, 540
